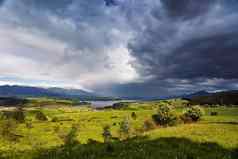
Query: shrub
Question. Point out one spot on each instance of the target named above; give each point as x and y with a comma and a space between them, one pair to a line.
186, 119
29, 125
41, 116
106, 134
214, 113
133, 115
149, 125
165, 116
69, 138
194, 113
55, 119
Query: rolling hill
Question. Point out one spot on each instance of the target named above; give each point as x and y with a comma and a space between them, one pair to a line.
221, 98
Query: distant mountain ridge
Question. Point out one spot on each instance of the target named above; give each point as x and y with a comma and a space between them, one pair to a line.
54, 92
221, 98
197, 94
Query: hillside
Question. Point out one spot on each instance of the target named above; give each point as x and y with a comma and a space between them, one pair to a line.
9, 101
26, 91
221, 98
79, 132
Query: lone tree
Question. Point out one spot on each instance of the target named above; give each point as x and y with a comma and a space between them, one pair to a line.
133, 115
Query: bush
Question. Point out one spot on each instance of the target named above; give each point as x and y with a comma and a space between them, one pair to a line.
149, 125
41, 116
186, 119
214, 113
165, 116
55, 119
133, 115
194, 113
29, 125
69, 138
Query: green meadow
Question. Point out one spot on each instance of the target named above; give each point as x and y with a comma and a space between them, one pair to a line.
212, 137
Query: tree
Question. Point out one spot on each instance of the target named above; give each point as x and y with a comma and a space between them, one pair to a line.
194, 113
133, 115
165, 116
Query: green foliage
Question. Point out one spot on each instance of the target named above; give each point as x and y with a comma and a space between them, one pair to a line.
46, 140
214, 113
29, 125
69, 138
144, 148
194, 113
165, 116
149, 125
55, 119
42, 102
133, 115
40, 116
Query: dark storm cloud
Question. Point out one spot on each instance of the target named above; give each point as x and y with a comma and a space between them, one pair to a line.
110, 2
1, 2
124, 47
189, 40
49, 4
214, 56
184, 9
204, 46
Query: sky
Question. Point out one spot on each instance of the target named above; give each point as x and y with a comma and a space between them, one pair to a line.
135, 48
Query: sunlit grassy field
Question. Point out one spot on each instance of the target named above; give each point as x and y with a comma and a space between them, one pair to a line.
213, 137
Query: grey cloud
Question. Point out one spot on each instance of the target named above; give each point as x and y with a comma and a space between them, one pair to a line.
178, 49
110, 2
1, 2
188, 40
185, 9
82, 34
176, 45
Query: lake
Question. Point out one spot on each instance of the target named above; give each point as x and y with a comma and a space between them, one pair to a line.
99, 104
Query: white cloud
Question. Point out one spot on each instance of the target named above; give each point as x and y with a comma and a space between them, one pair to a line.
62, 50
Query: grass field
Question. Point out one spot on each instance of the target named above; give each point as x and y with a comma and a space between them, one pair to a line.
213, 137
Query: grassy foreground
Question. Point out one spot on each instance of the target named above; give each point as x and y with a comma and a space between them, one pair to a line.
214, 137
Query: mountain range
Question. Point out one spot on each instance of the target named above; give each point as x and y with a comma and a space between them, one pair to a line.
220, 98
54, 92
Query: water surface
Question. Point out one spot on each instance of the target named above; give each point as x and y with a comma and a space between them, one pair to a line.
99, 104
